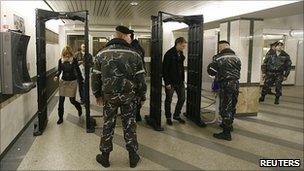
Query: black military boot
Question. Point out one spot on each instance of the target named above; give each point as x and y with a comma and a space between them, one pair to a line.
222, 126
134, 159
225, 135
276, 101
262, 98
103, 159
60, 115
169, 122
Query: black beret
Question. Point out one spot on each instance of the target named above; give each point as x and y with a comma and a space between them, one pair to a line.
223, 41
123, 29
279, 43
274, 43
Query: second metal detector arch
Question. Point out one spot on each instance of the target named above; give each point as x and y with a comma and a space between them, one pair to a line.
194, 79
43, 16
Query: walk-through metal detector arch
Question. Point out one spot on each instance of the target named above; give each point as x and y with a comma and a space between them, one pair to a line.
194, 79
43, 16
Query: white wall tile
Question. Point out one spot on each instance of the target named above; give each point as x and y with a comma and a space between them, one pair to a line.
257, 51
223, 29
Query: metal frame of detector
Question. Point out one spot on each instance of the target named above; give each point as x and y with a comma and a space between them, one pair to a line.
41, 17
194, 81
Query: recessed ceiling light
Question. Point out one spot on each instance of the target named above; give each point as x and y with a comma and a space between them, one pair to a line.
133, 3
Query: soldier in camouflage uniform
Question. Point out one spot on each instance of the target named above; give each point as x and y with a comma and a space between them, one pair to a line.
118, 81
275, 69
226, 67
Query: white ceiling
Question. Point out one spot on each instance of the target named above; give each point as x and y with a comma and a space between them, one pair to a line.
115, 12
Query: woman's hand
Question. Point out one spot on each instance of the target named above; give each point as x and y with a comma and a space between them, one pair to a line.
55, 78
263, 76
284, 78
168, 87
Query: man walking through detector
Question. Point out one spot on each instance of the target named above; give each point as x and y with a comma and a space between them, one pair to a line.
174, 76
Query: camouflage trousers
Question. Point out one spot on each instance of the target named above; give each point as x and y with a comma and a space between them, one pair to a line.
128, 108
229, 92
273, 78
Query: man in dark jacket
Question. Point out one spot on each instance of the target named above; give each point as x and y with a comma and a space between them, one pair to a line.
174, 75
226, 67
118, 80
275, 69
79, 56
135, 44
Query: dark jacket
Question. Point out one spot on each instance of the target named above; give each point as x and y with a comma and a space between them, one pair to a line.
118, 70
225, 66
80, 57
70, 70
173, 67
278, 64
135, 44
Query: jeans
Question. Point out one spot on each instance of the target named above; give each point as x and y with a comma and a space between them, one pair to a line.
180, 91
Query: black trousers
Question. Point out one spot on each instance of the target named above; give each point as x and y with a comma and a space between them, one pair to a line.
229, 92
61, 105
180, 91
81, 91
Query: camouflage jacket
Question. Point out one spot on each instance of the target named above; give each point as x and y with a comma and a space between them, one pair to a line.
277, 63
118, 70
225, 66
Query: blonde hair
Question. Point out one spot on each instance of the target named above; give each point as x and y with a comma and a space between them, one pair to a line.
67, 52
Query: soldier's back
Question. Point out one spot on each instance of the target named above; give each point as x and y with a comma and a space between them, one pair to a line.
117, 66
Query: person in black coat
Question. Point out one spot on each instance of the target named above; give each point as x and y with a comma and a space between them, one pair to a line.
79, 56
136, 46
174, 76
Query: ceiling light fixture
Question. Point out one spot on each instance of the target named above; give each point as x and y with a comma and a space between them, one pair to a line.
133, 3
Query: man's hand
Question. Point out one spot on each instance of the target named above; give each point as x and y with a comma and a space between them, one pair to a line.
263, 76
99, 101
168, 87
55, 78
284, 78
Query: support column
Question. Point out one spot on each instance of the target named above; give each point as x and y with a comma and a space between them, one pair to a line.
246, 39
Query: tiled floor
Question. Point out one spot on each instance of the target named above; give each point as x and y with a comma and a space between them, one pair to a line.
277, 132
